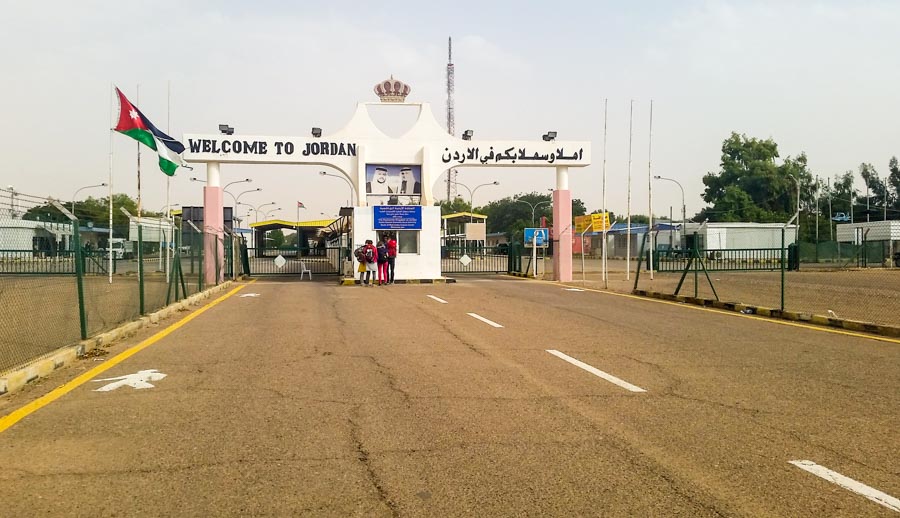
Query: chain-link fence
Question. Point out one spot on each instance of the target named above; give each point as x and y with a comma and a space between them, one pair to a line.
63, 279
846, 280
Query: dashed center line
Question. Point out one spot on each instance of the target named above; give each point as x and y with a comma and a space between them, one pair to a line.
442, 301
573, 289
597, 372
848, 483
486, 321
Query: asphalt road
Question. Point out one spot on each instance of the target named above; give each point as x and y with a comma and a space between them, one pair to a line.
314, 399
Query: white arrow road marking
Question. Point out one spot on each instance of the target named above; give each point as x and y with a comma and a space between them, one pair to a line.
137, 380
250, 295
848, 483
486, 321
597, 372
442, 301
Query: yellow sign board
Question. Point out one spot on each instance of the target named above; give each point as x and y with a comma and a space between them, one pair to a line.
600, 221
582, 223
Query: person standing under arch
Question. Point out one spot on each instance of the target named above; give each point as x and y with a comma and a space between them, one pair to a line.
382, 261
391, 256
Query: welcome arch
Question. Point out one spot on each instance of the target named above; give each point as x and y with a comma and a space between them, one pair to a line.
360, 145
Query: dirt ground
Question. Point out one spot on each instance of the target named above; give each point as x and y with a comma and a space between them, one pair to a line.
869, 294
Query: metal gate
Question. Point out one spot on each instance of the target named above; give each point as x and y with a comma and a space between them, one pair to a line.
294, 261
480, 259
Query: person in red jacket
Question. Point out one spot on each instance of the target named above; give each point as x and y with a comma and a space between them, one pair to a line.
392, 257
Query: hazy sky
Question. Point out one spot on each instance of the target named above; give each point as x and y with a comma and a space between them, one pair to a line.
820, 77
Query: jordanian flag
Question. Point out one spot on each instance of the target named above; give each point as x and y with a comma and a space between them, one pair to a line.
134, 124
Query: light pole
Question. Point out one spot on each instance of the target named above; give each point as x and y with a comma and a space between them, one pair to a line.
342, 177
74, 196
534, 207
225, 189
266, 215
256, 210
472, 196
683, 207
797, 214
256, 214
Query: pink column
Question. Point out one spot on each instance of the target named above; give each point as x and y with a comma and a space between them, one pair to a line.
562, 227
213, 227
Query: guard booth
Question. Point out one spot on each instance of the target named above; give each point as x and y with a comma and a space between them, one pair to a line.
280, 247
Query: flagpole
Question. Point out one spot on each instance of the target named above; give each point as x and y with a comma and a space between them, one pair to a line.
603, 251
650, 189
171, 228
110, 183
628, 236
138, 100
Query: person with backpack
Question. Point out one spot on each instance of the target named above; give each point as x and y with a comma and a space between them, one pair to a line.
367, 255
382, 261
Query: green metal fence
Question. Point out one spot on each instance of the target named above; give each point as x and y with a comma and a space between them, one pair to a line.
721, 260
61, 281
475, 259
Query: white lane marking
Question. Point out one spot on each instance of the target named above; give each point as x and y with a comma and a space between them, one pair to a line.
486, 321
442, 301
250, 295
573, 289
848, 483
137, 380
597, 372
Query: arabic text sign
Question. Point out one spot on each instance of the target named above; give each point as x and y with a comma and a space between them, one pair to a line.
582, 223
512, 155
539, 237
600, 221
398, 217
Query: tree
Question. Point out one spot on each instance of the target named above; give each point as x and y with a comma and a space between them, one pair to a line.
751, 186
454, 206
512, 214
275, 238
92, 210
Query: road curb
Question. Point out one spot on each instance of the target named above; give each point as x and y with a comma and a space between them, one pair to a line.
795, 316
42, 367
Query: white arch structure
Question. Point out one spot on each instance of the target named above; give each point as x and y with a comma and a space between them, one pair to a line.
360, 142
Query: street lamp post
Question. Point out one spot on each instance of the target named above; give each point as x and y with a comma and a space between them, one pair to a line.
534, 207
472, 196
74, 196
266, 215
256, 211
683, 207
342, 177
797, 214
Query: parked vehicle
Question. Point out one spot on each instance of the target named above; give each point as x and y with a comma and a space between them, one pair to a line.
841, 217
121, 249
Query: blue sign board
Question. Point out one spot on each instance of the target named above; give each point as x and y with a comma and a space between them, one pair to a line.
537, 236
398, 217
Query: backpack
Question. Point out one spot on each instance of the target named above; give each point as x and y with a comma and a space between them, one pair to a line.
360, 254
382, 254
370, 254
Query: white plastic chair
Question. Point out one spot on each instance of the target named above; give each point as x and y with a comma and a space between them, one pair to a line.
304, 269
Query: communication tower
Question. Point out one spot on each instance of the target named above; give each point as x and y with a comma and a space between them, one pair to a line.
451, 123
